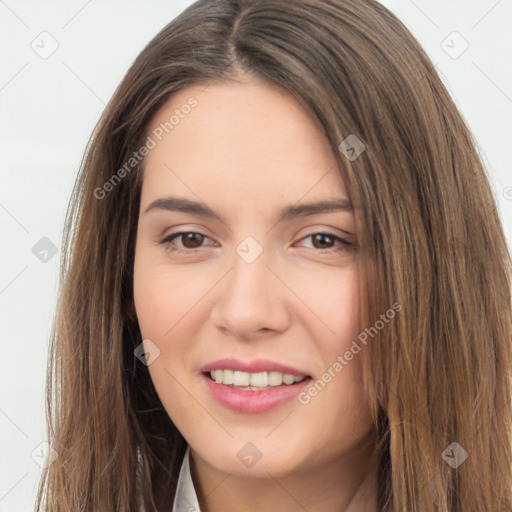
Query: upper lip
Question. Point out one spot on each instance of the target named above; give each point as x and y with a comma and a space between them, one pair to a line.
254, 366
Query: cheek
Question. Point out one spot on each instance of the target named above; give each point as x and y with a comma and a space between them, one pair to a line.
334, 328
164, 304
329, 300
164, 297
339, 411
165, 310
340, 305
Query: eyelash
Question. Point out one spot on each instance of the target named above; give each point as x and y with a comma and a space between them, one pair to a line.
344, 245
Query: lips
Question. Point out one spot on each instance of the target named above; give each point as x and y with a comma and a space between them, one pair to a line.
254, 366
245, 387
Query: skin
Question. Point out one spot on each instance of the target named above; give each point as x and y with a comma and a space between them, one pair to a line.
246, 151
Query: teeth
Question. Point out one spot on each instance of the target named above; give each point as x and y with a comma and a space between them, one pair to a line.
227, 376
288, 379
259, 380
217, 376
275, 378
239, 378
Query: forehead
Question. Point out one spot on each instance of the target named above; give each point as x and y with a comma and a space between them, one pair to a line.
252, 139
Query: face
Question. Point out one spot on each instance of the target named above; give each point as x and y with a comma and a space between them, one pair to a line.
237, 274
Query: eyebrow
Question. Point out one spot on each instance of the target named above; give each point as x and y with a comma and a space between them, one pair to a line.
287, 213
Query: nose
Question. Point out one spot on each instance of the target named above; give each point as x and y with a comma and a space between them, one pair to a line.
251, 302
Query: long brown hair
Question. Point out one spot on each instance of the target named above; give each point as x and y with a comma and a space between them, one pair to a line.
427, 224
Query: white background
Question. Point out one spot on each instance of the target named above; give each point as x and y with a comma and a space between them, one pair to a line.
48, 108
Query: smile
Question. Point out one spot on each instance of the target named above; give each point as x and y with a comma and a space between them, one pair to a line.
252, 387
254, 381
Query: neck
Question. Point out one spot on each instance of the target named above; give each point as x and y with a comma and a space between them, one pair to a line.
346, 484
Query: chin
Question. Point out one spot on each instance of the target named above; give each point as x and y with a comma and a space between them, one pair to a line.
254, 458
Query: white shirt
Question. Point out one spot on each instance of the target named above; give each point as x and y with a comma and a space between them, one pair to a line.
185, 499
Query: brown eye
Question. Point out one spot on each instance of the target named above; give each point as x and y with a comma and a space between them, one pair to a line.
185, 242
192, 240
322, 241
327, 242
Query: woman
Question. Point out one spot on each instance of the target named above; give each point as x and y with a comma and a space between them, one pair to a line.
285, 286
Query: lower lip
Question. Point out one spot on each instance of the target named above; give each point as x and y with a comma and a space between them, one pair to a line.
253, 402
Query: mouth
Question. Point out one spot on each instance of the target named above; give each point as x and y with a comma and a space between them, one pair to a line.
253, 387
255, 381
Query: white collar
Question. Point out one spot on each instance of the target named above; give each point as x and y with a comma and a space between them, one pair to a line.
185, 499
